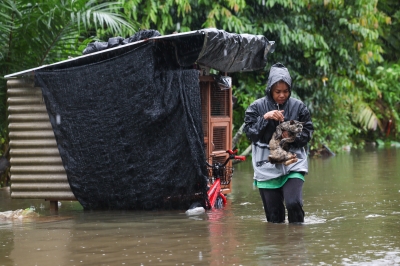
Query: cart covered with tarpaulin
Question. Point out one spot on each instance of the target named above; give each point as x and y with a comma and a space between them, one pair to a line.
126, 115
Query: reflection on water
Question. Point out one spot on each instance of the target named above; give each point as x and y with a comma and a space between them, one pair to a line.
352, 218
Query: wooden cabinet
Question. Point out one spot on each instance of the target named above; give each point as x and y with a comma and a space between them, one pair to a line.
216, 104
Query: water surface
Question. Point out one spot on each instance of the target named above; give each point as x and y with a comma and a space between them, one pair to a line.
352, 218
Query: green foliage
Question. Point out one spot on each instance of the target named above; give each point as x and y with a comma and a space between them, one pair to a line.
343, 55
332, 50
382, 143
184, 15
387, 77
48, 31
335, 136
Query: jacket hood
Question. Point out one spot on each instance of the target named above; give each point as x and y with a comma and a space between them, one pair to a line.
277, 73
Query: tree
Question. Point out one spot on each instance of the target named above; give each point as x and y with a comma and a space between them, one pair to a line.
343, 55
44, 32
332, 50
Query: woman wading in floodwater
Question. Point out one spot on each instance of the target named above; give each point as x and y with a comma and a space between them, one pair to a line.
279, 185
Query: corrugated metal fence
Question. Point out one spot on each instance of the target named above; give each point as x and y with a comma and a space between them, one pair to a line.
36, 167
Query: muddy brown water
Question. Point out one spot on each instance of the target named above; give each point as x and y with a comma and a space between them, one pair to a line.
352, 205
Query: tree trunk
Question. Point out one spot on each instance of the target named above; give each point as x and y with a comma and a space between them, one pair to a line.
237, 136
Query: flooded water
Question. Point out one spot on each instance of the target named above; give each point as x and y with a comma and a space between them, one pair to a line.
352, 205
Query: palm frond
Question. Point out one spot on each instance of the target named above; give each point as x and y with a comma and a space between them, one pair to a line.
7, 11
103, 15
50, 31
366, 117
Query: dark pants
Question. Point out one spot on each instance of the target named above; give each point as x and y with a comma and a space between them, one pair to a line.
291, 195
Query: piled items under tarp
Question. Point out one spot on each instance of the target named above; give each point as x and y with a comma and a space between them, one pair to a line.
217, 49
128, 120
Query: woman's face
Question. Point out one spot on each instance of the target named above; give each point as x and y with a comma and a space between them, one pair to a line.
280, 92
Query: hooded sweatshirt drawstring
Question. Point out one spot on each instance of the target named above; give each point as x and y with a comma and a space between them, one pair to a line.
277, 104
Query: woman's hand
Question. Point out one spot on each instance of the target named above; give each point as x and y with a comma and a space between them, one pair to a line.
274, 115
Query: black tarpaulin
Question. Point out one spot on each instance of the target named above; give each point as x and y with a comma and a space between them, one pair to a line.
128, 131
127, 120
231, 52
213, 48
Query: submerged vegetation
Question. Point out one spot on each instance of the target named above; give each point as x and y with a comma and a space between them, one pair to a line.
343, 55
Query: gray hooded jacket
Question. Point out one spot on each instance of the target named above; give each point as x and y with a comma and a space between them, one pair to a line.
260, 131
